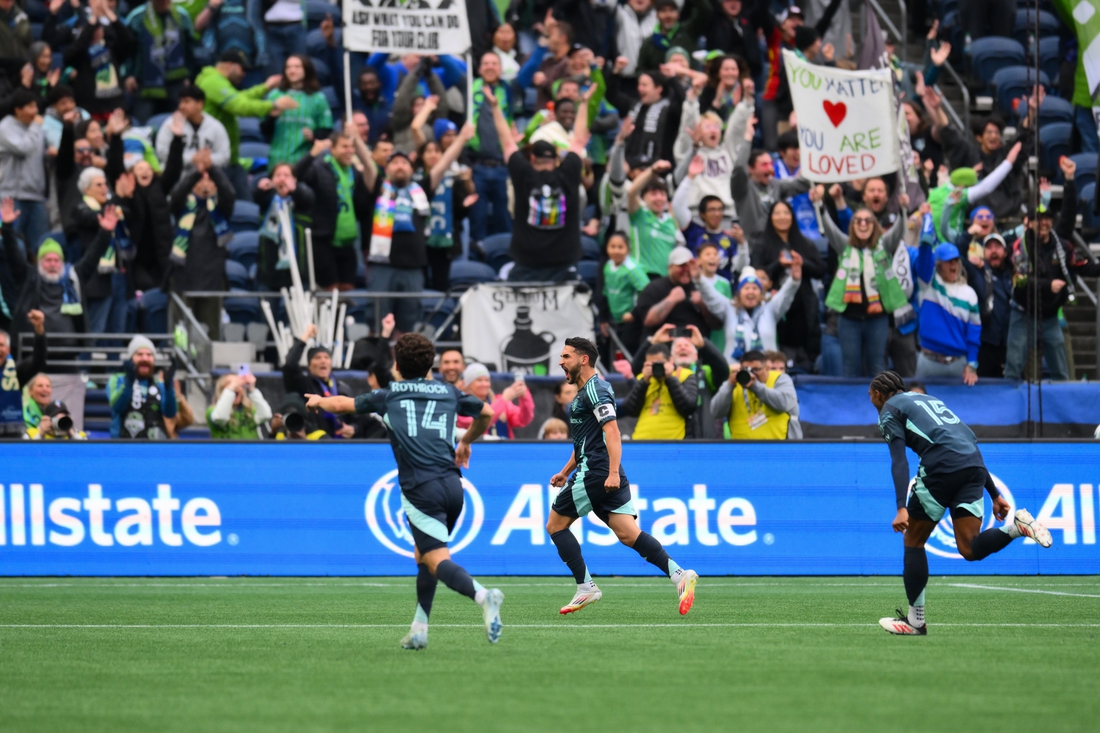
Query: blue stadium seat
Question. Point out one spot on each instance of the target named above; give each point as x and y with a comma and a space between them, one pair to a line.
1086, 168
1055, 109
243, 310
255, 150
1050, 60
952, 31
1055, 140
250, 130
156, 121
1085, 197
588, 270
315, 41
245, 248
36, 31
237, 275
991, 54
591, 248
1025, 25
246, 217
323, 74
154, 311
1013, 82
332, 98
465, 273
495, 248
316, 10
57, 60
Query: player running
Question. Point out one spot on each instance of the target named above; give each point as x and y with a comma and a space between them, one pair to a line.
951, 474
600, 484
420, 415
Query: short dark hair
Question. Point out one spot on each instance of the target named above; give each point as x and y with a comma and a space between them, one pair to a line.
459, 351
21, 98
58, 93
755, 155
655, 184
284, 164
753, 355
659, 79
382, 374
81, 129
705, 202
584, 347
978, 126
706, 245
787, 140
655, 349
567, 30
415, 355
193, 92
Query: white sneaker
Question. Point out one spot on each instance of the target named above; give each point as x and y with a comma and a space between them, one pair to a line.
583, 598
685, 588
1030, 527
491, 608
415, 640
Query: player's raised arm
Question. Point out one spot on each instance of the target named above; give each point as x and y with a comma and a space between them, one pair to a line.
476, 430
335, 405
614, 442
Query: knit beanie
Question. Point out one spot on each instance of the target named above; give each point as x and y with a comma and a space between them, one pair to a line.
748, 275
964, 177
473, 371
442, 127
315, 351
137, 343
50, 246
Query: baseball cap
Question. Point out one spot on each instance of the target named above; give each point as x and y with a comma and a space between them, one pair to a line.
680, 256
399, 154
544, 149
784, 14
235, 56
994, 237
663, 3
946, 252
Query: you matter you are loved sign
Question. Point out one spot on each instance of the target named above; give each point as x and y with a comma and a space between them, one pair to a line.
847, 124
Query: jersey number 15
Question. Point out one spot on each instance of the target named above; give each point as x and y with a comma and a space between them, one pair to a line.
938, 411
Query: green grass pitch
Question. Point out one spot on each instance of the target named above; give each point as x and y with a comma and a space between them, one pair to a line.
755, 654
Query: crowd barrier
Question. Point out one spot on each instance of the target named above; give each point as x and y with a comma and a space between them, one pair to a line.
334, 509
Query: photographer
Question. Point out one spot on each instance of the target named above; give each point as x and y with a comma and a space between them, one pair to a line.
662, 399
317, 380
56, 424
239, 408
289, 423
140, 401
15, 375
761, 404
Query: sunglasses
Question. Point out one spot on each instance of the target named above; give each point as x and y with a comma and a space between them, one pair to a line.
983, 217
863, 220
83, 150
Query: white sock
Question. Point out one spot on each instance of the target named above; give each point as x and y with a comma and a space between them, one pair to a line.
418, 626
479, 596
1011, 529
677, 574
916, 616
586, 587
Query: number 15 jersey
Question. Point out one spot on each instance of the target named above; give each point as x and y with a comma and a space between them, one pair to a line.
943, 441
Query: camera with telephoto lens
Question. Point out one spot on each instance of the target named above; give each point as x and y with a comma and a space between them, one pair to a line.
744, 376
658, 368
64, 424
294, 422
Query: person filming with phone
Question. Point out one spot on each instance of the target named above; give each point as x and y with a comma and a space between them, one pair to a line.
761, 403
663, 398
239, 408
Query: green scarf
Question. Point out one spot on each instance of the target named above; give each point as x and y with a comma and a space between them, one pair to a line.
120, 240
187, 222
32, 413
883, 290
346, 227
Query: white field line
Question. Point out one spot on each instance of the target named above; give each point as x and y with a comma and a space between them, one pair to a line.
656, 584
1021, 590
562, 626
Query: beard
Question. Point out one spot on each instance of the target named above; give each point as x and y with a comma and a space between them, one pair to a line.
572, 375
48, 278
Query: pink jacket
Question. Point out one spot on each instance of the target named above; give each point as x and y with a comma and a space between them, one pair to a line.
507, 415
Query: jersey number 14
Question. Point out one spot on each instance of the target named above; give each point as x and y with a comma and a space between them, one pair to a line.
428, 421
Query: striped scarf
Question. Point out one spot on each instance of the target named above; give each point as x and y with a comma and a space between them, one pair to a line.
121, 245
382, 231
187, 222
860, 268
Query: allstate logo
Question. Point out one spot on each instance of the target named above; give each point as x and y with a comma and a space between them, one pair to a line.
386, 516
942, 540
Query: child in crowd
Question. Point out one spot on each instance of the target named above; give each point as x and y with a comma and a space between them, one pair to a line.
623, 279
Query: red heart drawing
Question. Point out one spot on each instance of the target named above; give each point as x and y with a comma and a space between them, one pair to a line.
837, 111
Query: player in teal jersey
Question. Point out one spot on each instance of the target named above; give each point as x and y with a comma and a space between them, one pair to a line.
952, 475
600, 485
420, 414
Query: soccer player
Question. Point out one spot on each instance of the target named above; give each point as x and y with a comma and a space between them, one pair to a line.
600, 484
951, 474
420, 415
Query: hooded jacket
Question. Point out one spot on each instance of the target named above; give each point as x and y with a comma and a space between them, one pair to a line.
209, 134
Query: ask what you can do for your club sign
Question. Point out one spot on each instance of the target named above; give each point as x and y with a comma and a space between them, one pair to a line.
847, 125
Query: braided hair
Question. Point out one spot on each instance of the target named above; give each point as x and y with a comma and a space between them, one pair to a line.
888, 383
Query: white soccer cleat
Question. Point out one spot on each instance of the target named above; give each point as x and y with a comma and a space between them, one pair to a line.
583, 598
686, 590
900, 626
491, 609
1031, 527
415, 640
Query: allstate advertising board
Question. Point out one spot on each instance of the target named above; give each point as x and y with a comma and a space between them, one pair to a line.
335, 509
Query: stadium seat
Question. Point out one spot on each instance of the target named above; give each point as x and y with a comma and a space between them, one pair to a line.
243, 310
588, 270
237, 275
952, 31
246, 217
154, 122
465, 273
315, 41
991, 54
255, 150
154, 311
323, 74
250, 130
36, 31
1050, 60
1054, 140
1055, 109
332, 98
1013, 82
245, 248
57, 60
1085, 197
317, 10
1025, 25
495, 249
1086, 168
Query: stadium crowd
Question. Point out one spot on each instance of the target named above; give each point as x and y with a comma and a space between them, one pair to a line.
647, 147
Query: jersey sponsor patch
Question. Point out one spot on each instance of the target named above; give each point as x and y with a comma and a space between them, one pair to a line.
604, 412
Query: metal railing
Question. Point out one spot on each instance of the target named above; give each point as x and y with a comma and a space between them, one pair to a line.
903, 34
102, 352
966, 99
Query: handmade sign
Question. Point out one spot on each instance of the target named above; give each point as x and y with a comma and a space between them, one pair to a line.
847, 128
426, 27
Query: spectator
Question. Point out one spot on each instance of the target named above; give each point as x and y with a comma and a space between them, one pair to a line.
950, 324
451, 366
788, 165
729, 243
373, 104
799, 333
656, 118
1043, 259
284, 31
761, 403
736, 34
447, 68
199, 131
504, 46
59, 104
507, 414
676, 28
105, 290
710, 258
673, 299
318, 379
37, 400
750, 321
102, 44
654, 233
233, 25
549, 62
239, 408
564, 394
991, 278
554, 429
74, 155
202, 203
280, 193
23, 164
490, 213
635, 22
546, 244
139, 401
865, 289
296, 128
408, 103
663, 398
54, 287
452, 193
342, 200
876, 197
966, 192
15, 375
226, 103
727, 83
623, 280
15, 31
164, 58
776, 361
754, 185
56, 423
371, 354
